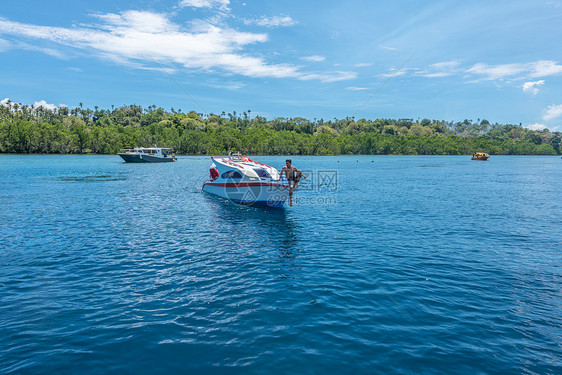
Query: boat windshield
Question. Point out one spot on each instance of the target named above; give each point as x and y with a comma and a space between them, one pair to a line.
231, 174
148, 151
262, 173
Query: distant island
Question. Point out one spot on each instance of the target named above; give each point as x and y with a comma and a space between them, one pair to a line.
29, 129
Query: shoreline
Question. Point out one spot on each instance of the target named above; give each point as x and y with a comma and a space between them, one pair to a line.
280, 155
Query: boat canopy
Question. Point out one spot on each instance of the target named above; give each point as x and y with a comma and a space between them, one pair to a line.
246, 166
150, 150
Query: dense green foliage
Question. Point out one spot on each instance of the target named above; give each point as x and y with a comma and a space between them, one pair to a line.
25, 129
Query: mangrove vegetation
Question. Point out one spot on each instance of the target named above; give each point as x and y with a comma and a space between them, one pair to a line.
29, 129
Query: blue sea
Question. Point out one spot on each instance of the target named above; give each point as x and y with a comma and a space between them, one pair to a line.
384, 264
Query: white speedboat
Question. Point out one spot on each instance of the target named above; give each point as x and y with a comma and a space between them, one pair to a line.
243, 180
147, 155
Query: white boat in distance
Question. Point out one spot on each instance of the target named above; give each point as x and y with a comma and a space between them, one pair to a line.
147, 155
243, 180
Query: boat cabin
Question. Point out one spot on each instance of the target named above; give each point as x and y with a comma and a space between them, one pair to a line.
241, 168
153, 151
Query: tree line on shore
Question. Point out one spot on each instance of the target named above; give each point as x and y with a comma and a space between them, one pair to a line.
29, 129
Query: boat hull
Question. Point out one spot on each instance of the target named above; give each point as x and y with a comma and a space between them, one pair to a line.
158, 159
251, 193
132, 158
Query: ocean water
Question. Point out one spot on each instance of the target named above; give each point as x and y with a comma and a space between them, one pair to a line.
385, 264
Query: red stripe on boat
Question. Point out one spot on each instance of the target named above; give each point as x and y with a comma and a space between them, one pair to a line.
243, 184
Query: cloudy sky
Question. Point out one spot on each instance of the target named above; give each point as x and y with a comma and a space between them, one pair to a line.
448, 60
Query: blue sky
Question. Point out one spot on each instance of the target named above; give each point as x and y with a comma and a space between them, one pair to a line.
446, 60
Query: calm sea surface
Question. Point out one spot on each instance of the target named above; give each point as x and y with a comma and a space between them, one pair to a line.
385, 264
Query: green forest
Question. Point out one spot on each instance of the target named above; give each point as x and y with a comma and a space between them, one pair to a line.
29, 129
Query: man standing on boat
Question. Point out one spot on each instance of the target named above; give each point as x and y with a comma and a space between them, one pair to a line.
293, 176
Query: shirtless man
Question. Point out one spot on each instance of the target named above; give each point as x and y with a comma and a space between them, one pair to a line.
293, 176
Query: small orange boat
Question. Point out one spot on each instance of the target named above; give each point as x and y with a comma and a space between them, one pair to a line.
480, 156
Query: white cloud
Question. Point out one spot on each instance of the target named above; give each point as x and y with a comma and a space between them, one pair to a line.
44, 104
45, 50
532, 87
275, 21
387, 48
536, 126
331, 77
494, 72
552, 112
229, 85
442, 69
353, 88
314, 58
395, 73
362, 65
453, 64
139, 38
436, 74
219, 4
541, 68
545, 68
502, 72
41, 103
141, 22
